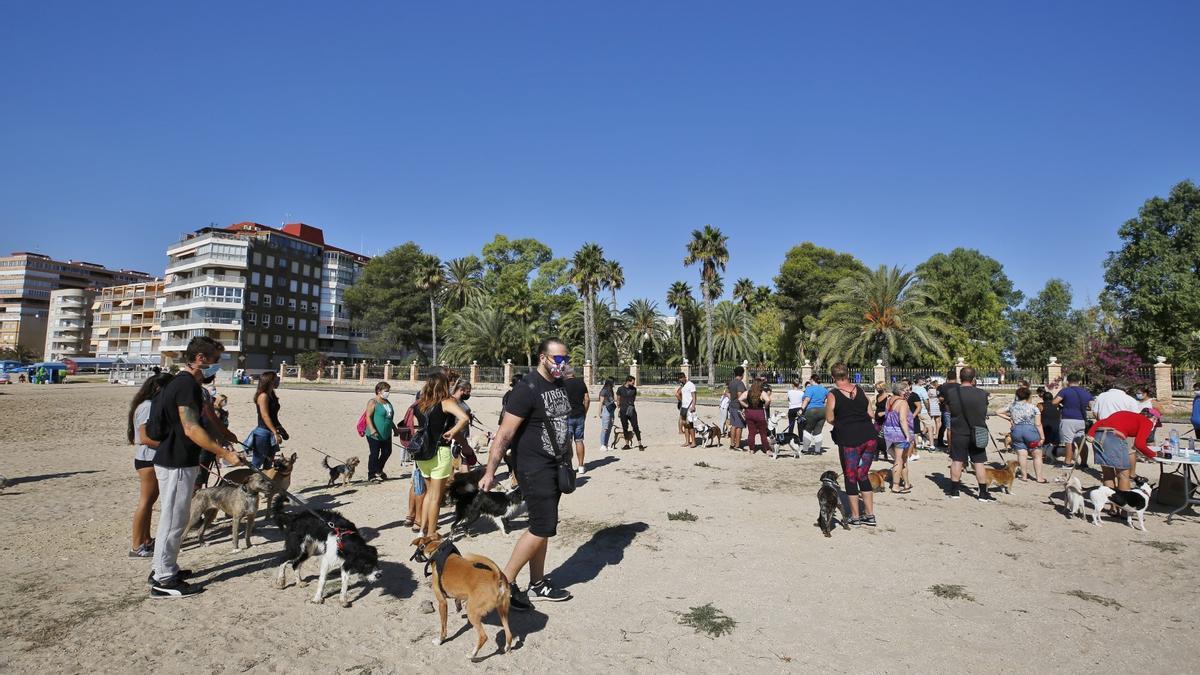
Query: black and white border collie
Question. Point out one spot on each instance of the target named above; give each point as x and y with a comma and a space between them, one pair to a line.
501, 506
1132, 502
306, 535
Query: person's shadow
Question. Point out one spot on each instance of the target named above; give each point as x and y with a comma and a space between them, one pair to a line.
46, 476
606, 547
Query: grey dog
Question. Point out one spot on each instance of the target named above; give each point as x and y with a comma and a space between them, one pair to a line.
238, 501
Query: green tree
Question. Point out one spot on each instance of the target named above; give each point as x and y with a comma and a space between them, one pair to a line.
310, 363
645, 327
743, 293
807, 276
977, 297
612, 277
382, 303
464, 281
587, 275
708, 248
767, 327
1153, 280
679, 298
1046, 326
881, 312
483, 332
430, 278
733, 333
19, 353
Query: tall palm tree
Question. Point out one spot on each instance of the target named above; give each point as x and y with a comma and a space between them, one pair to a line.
743, 292
733, 332
430, 279
645, 326
464, 281
612, 277
484, 332
880, 311
709, 249
679, 298
586, 274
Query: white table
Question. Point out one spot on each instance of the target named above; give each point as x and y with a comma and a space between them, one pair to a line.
1187, 466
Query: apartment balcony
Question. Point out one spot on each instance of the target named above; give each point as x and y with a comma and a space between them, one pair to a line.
197, 303
69, 327
201, 322
180, 345
192, 241
185, 283
208, 260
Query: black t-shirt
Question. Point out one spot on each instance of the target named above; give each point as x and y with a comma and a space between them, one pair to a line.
176, 450
944, 390
967, 402
576, 392
627, 396
545, 408
914, 401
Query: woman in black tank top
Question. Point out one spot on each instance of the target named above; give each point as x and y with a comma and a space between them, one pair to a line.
444, 419
855, 435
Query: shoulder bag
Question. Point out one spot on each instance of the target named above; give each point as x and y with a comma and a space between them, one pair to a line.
566, 473
979, 435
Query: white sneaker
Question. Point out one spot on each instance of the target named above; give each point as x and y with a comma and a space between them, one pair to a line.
582, 469
914, 457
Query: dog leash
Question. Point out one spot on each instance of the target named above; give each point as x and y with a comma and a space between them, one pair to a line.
327, 455
302, 503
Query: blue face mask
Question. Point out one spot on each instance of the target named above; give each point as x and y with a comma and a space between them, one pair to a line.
211, 370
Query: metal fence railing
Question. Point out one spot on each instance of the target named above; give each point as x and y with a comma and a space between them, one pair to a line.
1182, 382
491, 374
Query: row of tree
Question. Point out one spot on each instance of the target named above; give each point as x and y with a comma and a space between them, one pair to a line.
826, 305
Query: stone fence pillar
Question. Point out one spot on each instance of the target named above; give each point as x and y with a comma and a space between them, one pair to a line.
587, 373
362, 372
633, 372
412, 372
508, 371
806, 371
1162, 381
880, 373
1053, 371
686, 369
387, 371
282, 371
341, 372
474, 373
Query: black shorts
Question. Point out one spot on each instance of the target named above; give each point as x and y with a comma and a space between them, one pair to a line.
139, 464
683, 414
961, 448
539, 485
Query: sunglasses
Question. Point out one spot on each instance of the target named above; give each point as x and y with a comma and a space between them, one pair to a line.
559, 360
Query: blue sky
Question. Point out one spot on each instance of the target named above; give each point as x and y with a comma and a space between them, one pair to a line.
1029, 130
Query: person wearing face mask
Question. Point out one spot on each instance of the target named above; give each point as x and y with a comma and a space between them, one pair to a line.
462, 442
264, 440
535, 427
177, 461
381, 426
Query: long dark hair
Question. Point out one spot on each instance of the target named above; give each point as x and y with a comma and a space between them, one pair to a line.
754, 396
266, 384
150, 388
436, 390
607, 391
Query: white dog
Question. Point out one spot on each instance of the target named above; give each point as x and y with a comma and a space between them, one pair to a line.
1132, 501
1075, 501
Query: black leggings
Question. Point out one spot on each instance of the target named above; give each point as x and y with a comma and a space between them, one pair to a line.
380, 451
630, 416
793, 413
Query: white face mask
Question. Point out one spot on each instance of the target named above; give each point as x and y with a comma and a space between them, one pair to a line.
384, 394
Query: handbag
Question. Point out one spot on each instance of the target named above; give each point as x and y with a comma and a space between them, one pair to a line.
979, 435
566, 473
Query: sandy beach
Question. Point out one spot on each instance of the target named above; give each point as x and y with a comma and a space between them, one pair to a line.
1046, 593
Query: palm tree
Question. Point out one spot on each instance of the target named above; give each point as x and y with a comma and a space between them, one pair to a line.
464, 281
679, 297
743, 292
708, 247
645, 326
733, 332
612, 277
586, 274
484, 332
430, 279
880, 311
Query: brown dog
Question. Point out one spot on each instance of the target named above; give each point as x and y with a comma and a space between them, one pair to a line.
879, 479
472, 578
1003, 477
280, 474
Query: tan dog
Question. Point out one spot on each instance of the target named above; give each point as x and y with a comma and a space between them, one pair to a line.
280, 474
1003, 477
472, 578
238, 501
879, 479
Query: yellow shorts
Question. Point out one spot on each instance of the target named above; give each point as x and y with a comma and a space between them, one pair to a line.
440, 467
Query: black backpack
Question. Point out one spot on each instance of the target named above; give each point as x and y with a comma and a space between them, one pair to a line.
420, 446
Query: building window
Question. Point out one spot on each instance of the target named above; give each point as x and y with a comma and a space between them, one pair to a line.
257, 258
270, 261
295, 267
282, 264
291, 323
254, 297
289, 342
278, 319
252, 318
269, 281
316, 291
266, 319
303, 325
279, 301
292, 304
292, 286
254, 278
304, 288
303, 305
307, 270
267, 299
276, 339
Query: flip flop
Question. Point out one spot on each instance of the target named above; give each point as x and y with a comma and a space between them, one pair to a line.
1042, 481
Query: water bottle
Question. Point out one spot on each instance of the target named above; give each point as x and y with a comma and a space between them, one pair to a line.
1174, 442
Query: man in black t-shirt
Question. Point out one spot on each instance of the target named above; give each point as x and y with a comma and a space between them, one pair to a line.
535, 427
177, 461
627, 409
968, 409
580, 400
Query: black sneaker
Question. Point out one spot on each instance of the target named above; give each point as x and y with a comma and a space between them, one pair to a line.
518, 600
173, 588
952, 493
382, 476
854, 522
869, 521
985, 497
181, 575
543, 590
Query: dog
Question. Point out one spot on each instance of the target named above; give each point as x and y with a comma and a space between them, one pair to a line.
238, 501
343, 471
828, 500
343, 548
783, 439
1074, 498
280, 474
471, 578
1002, 477
501, 506
709, 434
879, 479
1133, 502
463, 485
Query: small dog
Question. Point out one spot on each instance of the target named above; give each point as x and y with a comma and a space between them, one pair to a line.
280, 474
343, 471
463, 485
1003, 477
501, 506
1074, 498
238, 501
710, 434
343, 548
879, 479
472, 578
782, 439
827, 498
1133, 502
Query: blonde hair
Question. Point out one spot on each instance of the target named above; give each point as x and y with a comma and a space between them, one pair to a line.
436, 390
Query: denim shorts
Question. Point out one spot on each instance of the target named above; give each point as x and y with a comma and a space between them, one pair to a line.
1024, 437
575, 427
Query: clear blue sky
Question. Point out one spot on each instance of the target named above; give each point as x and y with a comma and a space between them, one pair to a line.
1029, 130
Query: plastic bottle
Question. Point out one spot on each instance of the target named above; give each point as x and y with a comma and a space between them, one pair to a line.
1174, 442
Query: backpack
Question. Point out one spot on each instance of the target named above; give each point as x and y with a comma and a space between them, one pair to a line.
420, 445
157, 425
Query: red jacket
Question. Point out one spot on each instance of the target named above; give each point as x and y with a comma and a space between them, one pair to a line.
1132, 425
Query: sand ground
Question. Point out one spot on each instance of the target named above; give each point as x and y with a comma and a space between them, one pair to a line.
1046, 593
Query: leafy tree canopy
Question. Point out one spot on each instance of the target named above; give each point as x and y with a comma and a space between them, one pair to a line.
385, 302
1047, 326
977, 297
808, 274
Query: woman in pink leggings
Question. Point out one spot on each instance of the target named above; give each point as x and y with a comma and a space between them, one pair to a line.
855, 435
